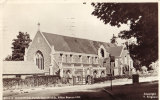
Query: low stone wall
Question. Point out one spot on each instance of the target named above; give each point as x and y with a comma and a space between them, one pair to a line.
32, 81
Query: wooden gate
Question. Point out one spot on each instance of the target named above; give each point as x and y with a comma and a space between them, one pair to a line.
79, 80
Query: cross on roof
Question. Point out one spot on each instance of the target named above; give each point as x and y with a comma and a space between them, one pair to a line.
38, 26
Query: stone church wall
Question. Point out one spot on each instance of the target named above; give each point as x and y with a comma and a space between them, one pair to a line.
73, 58
40, 44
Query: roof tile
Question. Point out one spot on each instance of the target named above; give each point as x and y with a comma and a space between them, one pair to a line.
73, 44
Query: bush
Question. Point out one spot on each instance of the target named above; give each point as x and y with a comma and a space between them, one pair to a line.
144, 69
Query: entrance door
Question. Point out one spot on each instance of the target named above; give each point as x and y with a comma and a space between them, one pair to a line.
88, 79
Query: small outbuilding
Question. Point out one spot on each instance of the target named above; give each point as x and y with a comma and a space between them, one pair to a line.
12, 69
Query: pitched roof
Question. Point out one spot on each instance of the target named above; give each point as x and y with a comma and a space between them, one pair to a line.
73, 44
20, 67
115, 51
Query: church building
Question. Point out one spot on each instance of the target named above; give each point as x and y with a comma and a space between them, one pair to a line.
71, 56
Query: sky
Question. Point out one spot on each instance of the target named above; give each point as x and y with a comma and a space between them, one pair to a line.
64, 18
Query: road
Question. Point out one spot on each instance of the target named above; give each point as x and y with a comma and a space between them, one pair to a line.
83, 92
68, 93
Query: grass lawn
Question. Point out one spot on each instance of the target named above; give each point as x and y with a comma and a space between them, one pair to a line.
141, 91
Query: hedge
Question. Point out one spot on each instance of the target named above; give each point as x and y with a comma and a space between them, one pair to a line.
32, 81
102, 79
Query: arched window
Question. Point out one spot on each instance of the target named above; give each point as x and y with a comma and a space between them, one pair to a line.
80, 58
39, 60
125, 60
95, 74
102, 52
68, 74
88, 71
103, 74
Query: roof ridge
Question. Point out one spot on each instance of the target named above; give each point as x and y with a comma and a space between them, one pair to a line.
75, 37
74, 44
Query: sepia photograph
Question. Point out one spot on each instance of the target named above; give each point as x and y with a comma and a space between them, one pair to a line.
79, 50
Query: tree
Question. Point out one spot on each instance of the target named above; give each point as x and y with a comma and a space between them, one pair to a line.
19, 45
143, 21
8, 58
113, 39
